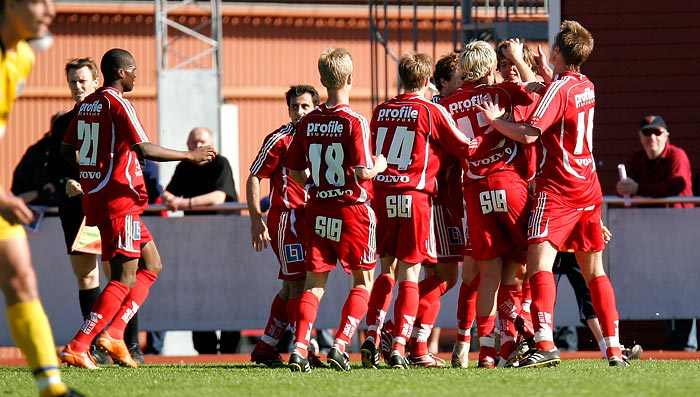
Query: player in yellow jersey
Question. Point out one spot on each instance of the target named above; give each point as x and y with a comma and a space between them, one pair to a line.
21, 20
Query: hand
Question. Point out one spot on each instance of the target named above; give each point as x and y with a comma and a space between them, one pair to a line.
542, 63
380, 163
627, 186
259, 234
49, 187
14, 210
203, 154
513, 49
607, 234
73, 188
173, 202
491, 111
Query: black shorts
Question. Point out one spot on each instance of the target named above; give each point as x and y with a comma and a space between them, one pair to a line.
70, 210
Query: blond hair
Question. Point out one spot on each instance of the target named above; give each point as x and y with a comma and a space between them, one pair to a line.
476, 61
414, 70
334, 66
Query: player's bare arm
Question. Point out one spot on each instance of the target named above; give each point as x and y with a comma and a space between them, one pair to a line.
522, 133
151, 151
543, 68
369, 173
258, 229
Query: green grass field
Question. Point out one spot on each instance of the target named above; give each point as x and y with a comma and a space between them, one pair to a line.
571, 378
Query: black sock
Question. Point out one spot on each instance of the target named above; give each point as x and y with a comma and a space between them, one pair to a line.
131, 332
87, 298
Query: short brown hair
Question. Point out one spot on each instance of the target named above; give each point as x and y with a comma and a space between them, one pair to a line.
414, 70
444, 68
334, 66
299, 90
575, 44
77, 63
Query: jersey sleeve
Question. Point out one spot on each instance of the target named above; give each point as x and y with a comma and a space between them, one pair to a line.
127, 123
269, 157
450, 138
551, 107
296, 157
362, 154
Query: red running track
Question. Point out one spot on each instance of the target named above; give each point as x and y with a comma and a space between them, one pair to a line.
11, 356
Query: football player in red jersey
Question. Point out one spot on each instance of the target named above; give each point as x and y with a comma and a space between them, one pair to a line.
332, 147
495, 189
285, 222
568, 197
409, 131
106, 140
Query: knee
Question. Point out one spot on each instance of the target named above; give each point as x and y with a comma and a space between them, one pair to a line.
89, 281
154, 267
450, 281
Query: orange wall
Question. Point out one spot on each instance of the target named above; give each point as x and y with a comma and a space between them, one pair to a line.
265, 49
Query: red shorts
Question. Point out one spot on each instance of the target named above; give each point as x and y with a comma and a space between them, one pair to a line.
449, 236
497, 213
578, 229
123, 235
404, 225
340, 233
286, 228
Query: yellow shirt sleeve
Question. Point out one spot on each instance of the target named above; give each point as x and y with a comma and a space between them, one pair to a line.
15, 67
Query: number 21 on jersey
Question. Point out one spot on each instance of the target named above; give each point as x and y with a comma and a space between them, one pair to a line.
88, 134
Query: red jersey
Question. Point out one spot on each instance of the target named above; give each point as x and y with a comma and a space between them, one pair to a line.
105, 129
331, 142
521, 114
284, 191
565, 120
410, 131
489, 151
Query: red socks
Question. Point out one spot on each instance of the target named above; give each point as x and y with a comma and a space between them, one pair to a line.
544, 292
107, 305
132, 303
508, 306
466, 309
308, 310
405, 310
603, 298
276, 323
354, 309
486, 326
379, 301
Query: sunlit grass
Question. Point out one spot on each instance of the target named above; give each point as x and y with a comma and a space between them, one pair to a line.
571, 378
